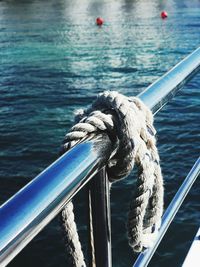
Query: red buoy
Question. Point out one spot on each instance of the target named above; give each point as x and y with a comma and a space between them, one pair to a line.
99, 21
163, 14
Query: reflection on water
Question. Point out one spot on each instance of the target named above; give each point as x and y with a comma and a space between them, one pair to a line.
54, 59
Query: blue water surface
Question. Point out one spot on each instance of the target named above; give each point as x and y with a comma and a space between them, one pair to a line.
53, 60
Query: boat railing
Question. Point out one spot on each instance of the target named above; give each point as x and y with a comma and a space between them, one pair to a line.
24, 215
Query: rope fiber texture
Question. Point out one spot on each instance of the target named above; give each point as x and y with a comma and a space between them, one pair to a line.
130, 123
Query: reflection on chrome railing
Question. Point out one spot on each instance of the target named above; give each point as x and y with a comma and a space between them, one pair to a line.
24, 215
161, 91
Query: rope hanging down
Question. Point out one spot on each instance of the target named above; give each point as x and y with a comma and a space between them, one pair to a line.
131, 122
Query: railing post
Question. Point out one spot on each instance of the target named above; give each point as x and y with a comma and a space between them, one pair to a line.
99, 191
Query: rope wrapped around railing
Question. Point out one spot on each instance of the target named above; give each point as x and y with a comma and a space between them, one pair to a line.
128, 122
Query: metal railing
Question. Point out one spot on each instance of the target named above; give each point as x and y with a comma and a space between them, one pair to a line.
170, 213
24, 215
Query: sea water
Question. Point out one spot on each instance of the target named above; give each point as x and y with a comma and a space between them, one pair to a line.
53, 60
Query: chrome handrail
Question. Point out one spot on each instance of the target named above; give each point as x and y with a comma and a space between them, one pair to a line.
24, 215
161, 91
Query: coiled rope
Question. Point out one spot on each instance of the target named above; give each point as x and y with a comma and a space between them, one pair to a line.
131, 122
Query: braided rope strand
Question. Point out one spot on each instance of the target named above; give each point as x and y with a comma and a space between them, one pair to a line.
72, 242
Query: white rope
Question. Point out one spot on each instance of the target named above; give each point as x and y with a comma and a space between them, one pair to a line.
72, 242
131, 123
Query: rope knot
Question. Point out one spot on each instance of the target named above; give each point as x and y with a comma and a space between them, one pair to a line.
131, 123
128, 119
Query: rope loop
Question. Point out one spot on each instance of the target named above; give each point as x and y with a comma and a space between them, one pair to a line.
131, 123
